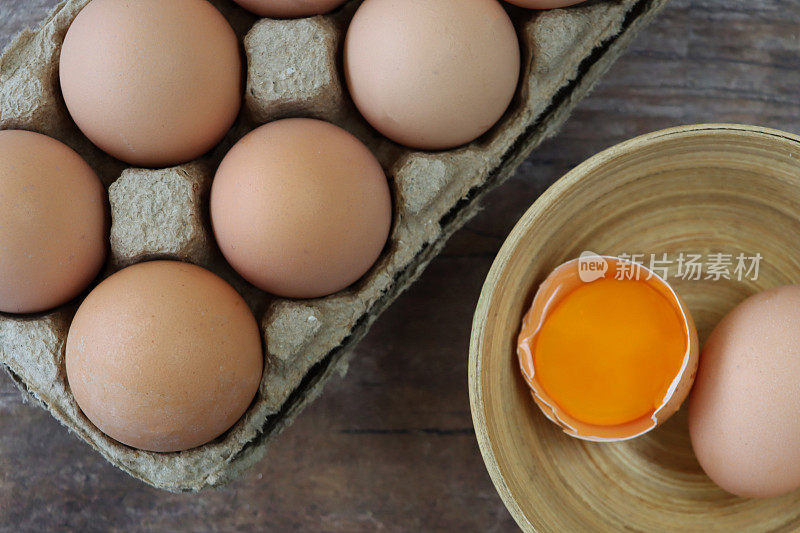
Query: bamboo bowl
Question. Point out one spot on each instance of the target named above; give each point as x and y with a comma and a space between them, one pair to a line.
695, 189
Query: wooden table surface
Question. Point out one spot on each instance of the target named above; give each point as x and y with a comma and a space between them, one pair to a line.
391, 447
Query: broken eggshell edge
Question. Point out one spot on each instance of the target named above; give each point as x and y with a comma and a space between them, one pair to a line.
563, 280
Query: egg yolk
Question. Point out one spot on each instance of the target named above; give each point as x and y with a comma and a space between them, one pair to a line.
609, 350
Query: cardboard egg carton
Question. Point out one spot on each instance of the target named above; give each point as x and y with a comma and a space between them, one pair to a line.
293, 70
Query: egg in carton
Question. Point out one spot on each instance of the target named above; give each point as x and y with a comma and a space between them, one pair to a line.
293, 69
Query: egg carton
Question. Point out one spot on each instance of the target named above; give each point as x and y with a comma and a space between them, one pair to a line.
293, 70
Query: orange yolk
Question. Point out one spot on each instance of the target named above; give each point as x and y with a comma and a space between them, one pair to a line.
609, 350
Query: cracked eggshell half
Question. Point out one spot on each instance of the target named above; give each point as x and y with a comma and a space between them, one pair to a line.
561, 282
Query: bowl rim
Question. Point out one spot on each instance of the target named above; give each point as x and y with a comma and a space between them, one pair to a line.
549, 197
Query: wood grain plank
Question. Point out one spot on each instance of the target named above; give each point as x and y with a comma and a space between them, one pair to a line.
390, 447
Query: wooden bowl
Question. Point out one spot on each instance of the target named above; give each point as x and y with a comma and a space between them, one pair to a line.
694, 190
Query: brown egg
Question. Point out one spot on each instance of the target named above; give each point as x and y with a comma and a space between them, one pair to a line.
164, 356
152, 83
432, 74
544, 4
289, 8
301, 208
744, 410
53, 223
